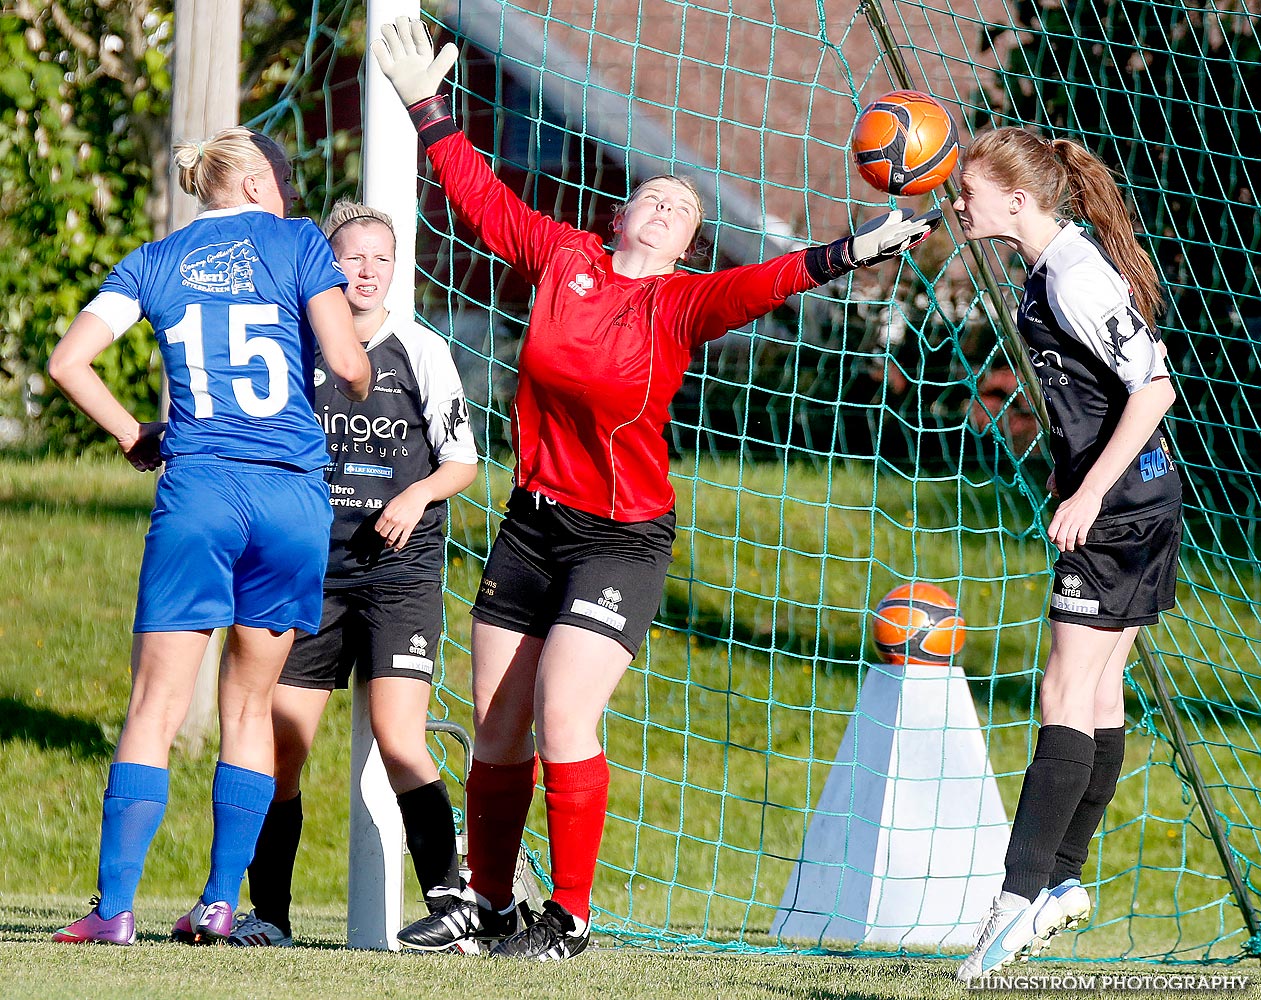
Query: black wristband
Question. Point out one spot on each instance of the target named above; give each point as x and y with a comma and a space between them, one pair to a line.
817, 265
433, 119
826, 263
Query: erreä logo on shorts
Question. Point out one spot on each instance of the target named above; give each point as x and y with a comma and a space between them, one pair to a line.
358, 469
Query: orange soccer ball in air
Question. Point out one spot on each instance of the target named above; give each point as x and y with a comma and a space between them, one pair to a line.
905, 143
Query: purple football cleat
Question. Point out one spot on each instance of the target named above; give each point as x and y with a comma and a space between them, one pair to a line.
119, 929
205, 923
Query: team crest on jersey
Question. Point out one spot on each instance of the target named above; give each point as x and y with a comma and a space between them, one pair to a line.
378, 387
318, 377
456, 416
1123, 325
582, 284
221, 267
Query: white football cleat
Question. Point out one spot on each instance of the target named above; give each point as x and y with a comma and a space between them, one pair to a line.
251, 931
1005, 933
1074, 903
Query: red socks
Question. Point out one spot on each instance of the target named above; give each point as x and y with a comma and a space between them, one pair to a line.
497, 801
577, 797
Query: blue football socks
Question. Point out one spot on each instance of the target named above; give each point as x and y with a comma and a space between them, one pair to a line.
135, 800
241, 798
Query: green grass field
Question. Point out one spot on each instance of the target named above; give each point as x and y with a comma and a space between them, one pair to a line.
35, 969
721, 737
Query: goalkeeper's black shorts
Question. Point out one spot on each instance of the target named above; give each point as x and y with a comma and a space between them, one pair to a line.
554, 565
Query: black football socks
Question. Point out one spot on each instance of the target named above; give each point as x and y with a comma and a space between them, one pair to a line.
1055, 782
1109, 756
429, 826
271, 871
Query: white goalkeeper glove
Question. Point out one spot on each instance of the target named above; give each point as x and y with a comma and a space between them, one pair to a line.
876, 240
405, 54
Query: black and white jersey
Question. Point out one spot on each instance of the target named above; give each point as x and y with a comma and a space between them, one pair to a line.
414, 419
1091, 348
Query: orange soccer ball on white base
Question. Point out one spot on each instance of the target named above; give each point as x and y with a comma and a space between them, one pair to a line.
918, 623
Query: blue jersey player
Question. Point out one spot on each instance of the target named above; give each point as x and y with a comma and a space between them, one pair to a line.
240, 524
395, 459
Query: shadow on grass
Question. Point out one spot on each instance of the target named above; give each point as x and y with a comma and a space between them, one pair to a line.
712, 624
51, 730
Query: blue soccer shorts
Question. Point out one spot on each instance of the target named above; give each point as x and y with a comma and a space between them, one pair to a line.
234, 543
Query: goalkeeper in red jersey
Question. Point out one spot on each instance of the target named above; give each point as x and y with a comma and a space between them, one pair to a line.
578, 568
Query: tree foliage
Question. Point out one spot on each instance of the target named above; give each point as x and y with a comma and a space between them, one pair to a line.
81, 84
85, 92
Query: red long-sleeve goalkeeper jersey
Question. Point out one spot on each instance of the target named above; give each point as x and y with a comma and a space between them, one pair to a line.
603, 354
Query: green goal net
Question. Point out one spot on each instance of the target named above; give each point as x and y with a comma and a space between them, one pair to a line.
873, 432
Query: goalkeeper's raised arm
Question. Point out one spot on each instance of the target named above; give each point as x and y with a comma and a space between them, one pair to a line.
577, 571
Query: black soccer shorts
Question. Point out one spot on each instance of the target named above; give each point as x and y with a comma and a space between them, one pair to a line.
1125, 574
385, 629
554, 565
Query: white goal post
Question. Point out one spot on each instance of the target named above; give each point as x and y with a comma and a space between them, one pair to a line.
374, 905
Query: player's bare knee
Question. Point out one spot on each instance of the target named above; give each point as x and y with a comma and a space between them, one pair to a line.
498, 747
399, 750
246, 711
409, 771
567, 741
502, 729
153, 723
1055, 695
1109, 709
